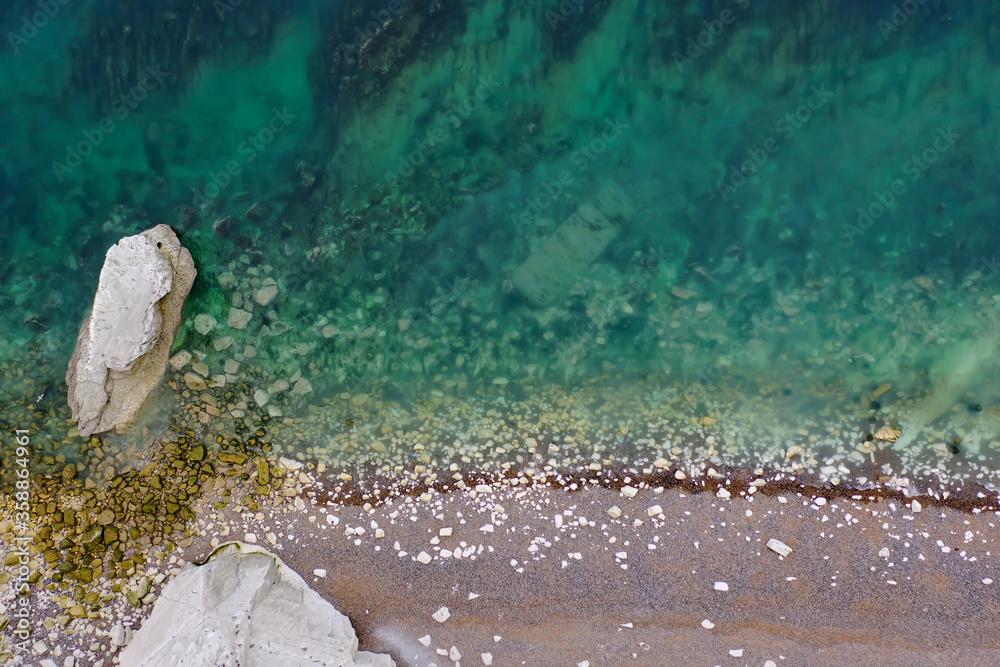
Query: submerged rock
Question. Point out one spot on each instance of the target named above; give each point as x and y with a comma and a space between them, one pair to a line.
124, 344
245, 607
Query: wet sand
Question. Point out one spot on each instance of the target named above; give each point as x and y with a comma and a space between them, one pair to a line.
635, 590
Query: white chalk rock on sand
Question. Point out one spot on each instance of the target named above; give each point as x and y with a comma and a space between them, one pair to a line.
245, 608
124, 344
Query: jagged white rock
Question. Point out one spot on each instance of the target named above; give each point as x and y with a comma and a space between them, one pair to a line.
245, 608
122, 350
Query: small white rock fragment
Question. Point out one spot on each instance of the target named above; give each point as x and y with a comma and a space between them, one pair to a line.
473, 596
629, 491
736, 652
445, 532
425, 640
424, 557
915, 506
655, 510
441, 615
483, 488
721, 586
883, 552
820, 501
987, 581
615, 512
707, 624
319, 572
487, 658
453, 654
723, 492
250, 537
770, 663
680, 475
779, 547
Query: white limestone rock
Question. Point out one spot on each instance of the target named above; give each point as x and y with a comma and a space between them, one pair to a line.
124, 344
244, 607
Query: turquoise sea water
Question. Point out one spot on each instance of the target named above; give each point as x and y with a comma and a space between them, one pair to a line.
580, 235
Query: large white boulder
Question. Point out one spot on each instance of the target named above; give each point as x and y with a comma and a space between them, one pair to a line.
122, 350
245, 608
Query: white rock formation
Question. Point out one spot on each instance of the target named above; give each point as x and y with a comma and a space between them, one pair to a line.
245, 608
123, 346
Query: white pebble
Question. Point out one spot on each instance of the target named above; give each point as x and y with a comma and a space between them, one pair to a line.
736, 652
424, 557
883, 552
487, 658
915, 506
987, 581
250, 537
615, 512
629, 491
820, 501
723, 492
778, 547
319, 572
425, 640
707, 624
655, 510
721, 586
441, 615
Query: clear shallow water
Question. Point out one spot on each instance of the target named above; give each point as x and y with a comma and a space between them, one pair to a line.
617, 235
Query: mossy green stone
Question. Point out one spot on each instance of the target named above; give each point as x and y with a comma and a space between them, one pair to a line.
66, 566
198, 453
110, 535
92, 538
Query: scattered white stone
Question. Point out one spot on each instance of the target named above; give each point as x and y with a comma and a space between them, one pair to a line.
445, 532
779, 547
441, 615
224, 343
239, 318
487, 658
260, 397
883, 552
721, 586
987, 581
915, 506
251, 538
723, 492
615, 512
770, 663
425, 640
302, 387
424, 557
453, 654
484, 488
320, 572
736, 652
117, 635
629, 491
266, 294
473, 596
707, 624
820, 501
180, 360
655, 510
680, 475
204, 323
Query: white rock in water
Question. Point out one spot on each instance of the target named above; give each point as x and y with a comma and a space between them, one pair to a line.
260, 397
124, 344
244, 607
204, 323
265, 295
239, 318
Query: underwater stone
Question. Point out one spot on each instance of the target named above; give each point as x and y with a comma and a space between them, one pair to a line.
204, 323
284, 621
124, 344
239, 318
550, 272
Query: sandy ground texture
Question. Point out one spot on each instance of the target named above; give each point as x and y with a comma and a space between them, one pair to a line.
644, 576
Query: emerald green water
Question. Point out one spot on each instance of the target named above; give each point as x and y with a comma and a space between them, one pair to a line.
793, 243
